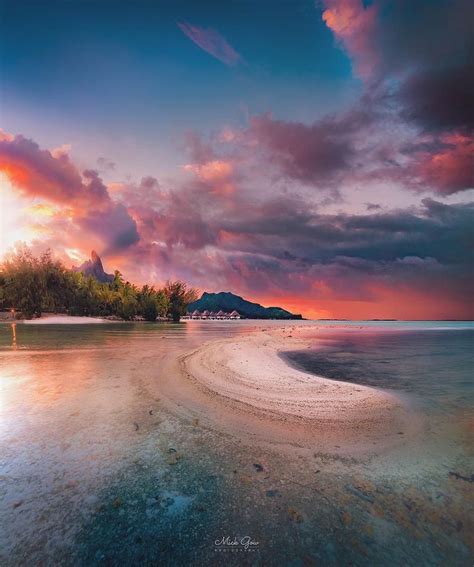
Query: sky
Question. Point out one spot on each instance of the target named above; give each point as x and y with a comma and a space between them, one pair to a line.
312, 155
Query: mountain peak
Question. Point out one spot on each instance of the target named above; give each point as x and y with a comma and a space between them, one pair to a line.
93, 267
228, 302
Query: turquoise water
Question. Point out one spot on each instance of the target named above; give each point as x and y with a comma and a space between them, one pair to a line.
97, 470
435, 364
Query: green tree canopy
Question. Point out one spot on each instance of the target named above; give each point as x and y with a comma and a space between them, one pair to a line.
32, 285
179, 297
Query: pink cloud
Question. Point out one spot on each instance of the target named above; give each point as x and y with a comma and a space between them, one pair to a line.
39, 173
83, 200
217, 174
278, 246
353, 25
212, 42
451, 168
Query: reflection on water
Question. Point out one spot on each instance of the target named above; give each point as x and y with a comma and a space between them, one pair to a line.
13, 326
435, 365
96, 471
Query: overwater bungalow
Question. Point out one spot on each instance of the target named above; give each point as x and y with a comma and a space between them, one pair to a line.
220, 315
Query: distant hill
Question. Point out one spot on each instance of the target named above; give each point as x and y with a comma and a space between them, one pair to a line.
226, 301
93, 267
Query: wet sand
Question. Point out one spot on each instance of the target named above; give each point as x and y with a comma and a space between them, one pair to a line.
243, 386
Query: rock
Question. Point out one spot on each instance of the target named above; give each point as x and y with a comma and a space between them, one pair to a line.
458, 476
346, 518
173, 458
295, 516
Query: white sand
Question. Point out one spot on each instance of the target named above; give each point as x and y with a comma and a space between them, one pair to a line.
64, 320
259, 392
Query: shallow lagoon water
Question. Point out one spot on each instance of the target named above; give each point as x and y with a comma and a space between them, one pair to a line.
96, 471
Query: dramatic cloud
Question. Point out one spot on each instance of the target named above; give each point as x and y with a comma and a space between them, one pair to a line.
276, 248
216, 174
450, 168
212, 42
413, 123
115, 227
40, 174
82, 198
357, 214
284, 248
307, 153
440, 99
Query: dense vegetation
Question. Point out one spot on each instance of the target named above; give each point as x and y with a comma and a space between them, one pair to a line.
228, 302
32, 285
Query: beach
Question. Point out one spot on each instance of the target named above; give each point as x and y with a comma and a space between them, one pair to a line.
59, 319
251, 389
148, 443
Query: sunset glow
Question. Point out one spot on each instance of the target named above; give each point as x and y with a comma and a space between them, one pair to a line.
335, 180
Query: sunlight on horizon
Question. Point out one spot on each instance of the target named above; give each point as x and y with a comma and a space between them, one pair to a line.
13, 218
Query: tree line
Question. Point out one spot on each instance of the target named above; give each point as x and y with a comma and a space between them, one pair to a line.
32, 285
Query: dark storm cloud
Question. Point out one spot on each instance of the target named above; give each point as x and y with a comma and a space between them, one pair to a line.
114, 226
442, 232
316, 153
417, 63
440, 99
412, 35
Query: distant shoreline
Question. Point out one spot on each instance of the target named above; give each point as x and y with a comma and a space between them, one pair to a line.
62, 318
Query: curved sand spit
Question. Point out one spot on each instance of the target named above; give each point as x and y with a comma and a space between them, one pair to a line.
257, 391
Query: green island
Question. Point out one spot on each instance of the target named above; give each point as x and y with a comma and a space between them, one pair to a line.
34, 284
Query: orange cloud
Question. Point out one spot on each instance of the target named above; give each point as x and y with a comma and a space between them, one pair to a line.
5, 136
42, 210
216, 173
451, 169
82, 199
